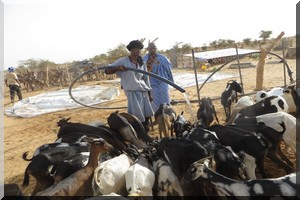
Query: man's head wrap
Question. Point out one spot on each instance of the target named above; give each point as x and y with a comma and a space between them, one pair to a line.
135, 44
152, 45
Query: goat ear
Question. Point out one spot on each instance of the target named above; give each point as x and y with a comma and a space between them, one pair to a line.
286, 91
67, 119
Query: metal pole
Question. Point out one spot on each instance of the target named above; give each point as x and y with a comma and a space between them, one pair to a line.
238, 60
283, 56
196, 77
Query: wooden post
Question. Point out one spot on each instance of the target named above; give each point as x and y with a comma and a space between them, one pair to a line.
261, 62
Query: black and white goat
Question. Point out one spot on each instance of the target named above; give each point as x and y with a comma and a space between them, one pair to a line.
282, 186
275, 127
181, 125
275, 121
289, 94
229, 96
261, 95
166, 182
243, 102
271, 104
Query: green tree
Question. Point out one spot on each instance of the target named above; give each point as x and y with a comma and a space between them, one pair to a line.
101, 59
213, 43
114, 54
30, 64
204, 47
265, 35
247, 41
43, 64
186, 48
230, 42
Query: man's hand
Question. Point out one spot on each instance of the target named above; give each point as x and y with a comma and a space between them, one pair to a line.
121, 68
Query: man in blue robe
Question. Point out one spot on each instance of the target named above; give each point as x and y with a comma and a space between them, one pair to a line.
160, 65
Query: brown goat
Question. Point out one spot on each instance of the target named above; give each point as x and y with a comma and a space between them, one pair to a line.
79, 183
165, 117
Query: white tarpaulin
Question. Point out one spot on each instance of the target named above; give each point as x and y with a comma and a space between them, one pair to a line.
60, 100
89, 95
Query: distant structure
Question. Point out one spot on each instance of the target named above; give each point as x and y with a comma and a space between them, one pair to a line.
219, 56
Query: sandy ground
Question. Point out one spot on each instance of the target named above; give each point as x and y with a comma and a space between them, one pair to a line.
26, 134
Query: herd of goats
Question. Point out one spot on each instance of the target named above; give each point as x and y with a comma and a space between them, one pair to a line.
205, 158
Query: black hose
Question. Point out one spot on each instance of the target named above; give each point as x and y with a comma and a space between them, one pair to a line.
126, 68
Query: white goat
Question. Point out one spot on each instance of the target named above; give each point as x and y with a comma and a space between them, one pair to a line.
140, 178
109, 176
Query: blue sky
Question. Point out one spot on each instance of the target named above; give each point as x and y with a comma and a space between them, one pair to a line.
67, 30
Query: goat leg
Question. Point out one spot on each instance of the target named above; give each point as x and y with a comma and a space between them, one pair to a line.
273, 155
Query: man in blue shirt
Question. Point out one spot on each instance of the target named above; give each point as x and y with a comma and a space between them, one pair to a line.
160, 65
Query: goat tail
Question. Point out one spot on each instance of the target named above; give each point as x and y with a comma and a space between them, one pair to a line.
24, 156
26, 179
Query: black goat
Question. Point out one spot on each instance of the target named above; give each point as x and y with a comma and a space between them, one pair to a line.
121, 125
206, 112
138, 127
79, 129
242, 140
40, 164
228, 163
229, 96
180, 154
